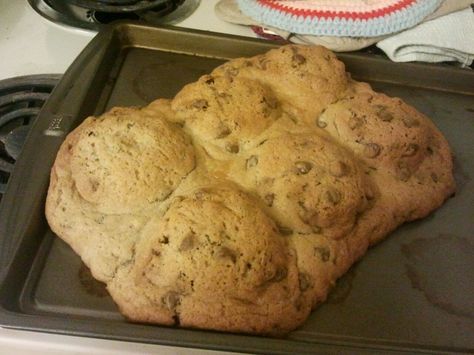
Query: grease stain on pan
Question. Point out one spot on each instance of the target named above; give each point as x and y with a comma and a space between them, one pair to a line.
443, 269
460, 175
91, 285
343, 288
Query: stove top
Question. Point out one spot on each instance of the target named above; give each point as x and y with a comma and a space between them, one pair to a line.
21, 99
92, 15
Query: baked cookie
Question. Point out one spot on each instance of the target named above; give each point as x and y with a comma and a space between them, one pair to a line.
309, 184
237, 204
213, 260
402, 150
127, 159
108, 174
225, 114
305, 79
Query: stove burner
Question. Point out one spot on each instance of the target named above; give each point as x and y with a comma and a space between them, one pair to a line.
93, 14
21, 99
118, 5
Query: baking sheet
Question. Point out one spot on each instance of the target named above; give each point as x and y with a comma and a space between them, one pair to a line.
413, 292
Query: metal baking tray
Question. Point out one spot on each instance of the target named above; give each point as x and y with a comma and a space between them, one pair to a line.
413, 292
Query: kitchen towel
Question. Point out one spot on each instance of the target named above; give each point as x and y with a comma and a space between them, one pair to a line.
228, 10
447, 38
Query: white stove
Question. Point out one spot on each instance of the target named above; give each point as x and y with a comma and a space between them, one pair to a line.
31, 44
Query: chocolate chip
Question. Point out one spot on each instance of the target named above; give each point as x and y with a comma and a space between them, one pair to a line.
232, 71
269, 199
270, 101
323, 253
210, 80
274, 275
333, 196
321, 123
410, 150
434, 177
199, 195
369, 193
200, 104
252, 161
384, 114
338, 169
303, 167
188, 242
225, 97
403, 171
371, 150
285, 230
171, 299
280, 273
226, 253
298, 59
410, 122
304, 281
225, 131
302, 205
94, 185
232, 148
310, 218
355, 122
292, 117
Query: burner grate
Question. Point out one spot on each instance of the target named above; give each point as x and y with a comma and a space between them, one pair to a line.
121, 5
93, 14
21, 99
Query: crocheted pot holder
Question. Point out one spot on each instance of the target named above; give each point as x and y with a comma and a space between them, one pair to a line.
350, 18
